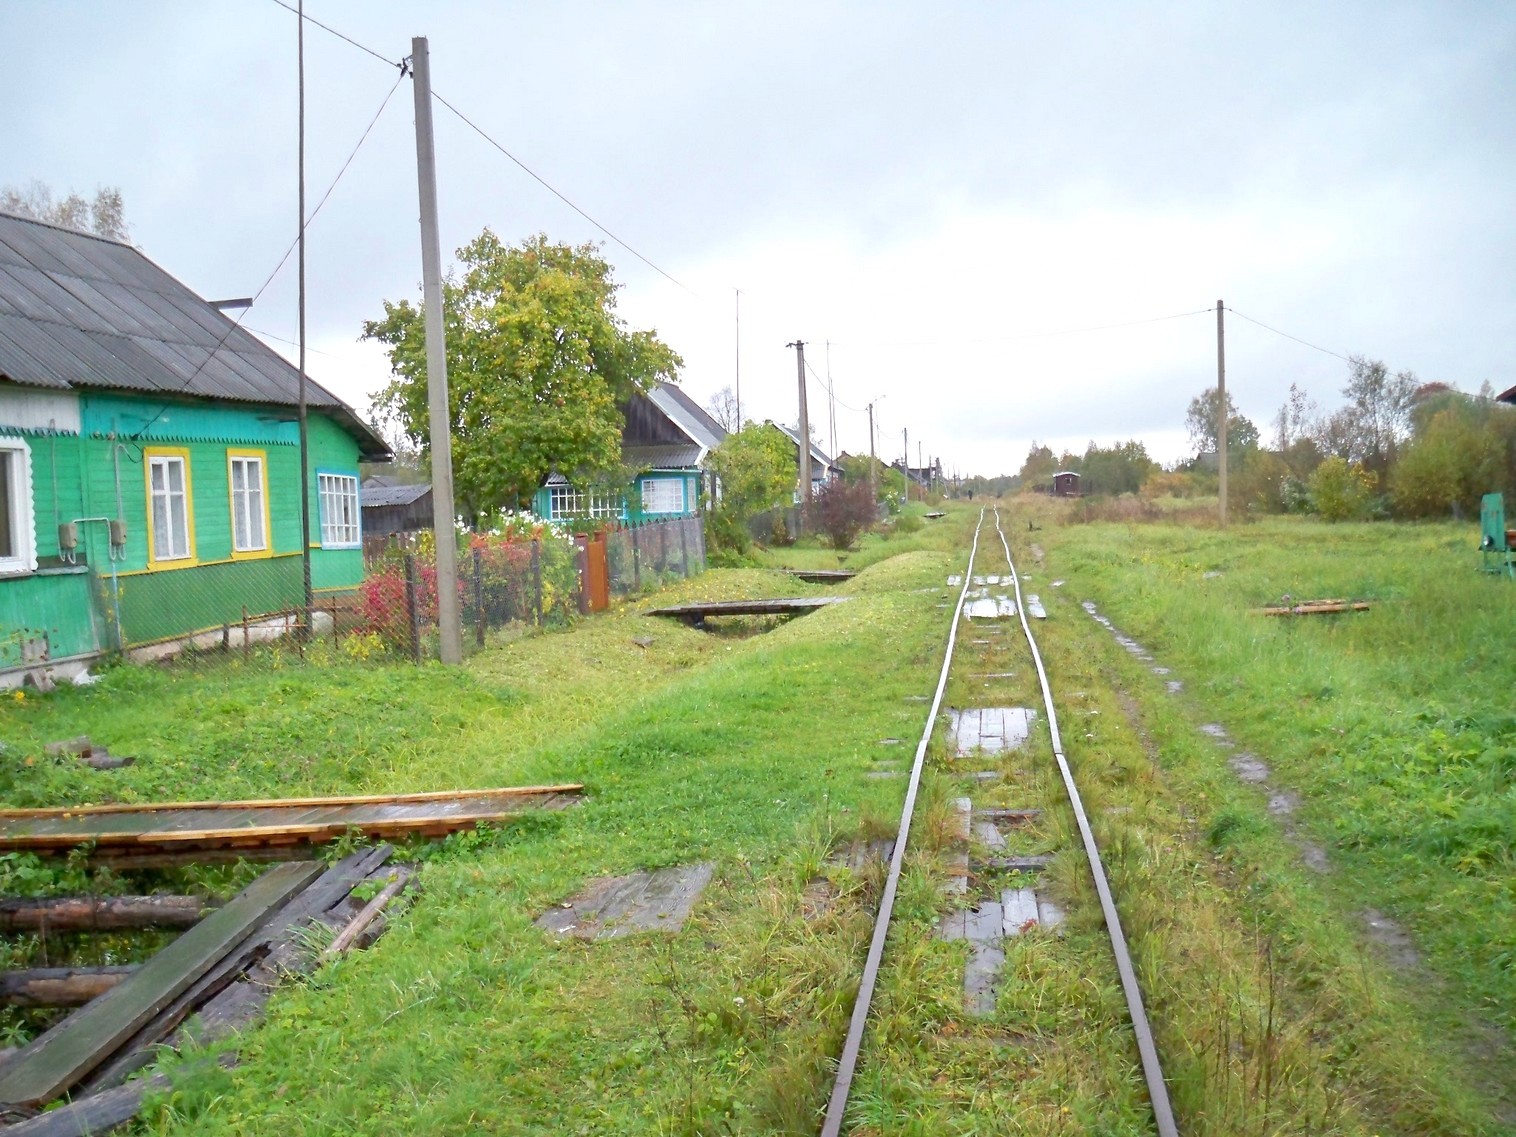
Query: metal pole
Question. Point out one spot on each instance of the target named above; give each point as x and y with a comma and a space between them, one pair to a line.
905, 460
1221, 415
305, 460
873, 462
450, 632
831, 399
805, 432
738, 427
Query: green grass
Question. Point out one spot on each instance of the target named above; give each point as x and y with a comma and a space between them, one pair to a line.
752, 750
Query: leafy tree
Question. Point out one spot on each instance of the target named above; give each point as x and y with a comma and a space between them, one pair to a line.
755, 468
105, 216
538, 362
1380, 407
1339, 490
1117, 469
1039, 466
1457, 455
1200, 421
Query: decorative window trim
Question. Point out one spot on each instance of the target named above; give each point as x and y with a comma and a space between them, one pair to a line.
266, 549
565, 503
332, 487
674, 486
151, 456
23, 555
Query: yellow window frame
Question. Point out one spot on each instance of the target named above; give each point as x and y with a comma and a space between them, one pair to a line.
182, 453
268, 519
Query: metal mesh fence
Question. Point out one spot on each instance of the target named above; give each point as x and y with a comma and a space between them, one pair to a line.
382, 606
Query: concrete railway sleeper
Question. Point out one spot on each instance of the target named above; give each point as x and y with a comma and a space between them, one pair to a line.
1163, 1115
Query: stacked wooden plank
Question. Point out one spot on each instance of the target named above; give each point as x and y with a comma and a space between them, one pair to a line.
1317, 608
696, 611
147, 836
208, 983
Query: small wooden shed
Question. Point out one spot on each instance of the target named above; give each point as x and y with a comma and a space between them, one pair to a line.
1066, 484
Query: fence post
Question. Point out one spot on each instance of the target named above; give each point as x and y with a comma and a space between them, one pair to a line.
582, 556
537, 581
700, 539
636, 558
479, 597
413, 616
244, 632
663, 546
684, 550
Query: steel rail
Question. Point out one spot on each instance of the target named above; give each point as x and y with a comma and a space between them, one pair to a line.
847, 1063
1158, 1092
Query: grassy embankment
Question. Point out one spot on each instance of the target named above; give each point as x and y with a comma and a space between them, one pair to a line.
1391, 738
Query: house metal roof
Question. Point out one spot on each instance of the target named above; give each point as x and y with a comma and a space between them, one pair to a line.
78, 310
817, 455
392, 495
688, 415
662, 457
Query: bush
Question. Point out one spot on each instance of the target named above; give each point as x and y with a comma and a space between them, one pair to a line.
842, 510
1340, 491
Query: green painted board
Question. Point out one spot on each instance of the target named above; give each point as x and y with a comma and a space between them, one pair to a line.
59, 1058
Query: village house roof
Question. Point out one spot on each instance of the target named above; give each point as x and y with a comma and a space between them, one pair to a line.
392, 495
81, 311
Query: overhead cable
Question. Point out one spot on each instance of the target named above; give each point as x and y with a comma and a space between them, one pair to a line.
1286, 335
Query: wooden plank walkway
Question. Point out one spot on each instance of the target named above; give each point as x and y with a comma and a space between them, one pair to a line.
60, 1057
821, 576
697, 611
127, 831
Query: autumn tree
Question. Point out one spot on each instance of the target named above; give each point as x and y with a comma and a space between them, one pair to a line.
722, 406
539, 364
1201, 418
105, 216
1039, 466
755, 469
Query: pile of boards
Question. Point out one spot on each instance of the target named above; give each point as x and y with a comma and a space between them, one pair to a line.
203, 986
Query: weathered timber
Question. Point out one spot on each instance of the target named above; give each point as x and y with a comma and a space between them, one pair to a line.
697, 611
66, 1053
821, 576
126, 835
58, 986
274, 950
611, 907
1317, 608
359, 923
102, 913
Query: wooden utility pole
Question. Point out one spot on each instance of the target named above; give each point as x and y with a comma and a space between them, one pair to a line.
1221, 415
873, 462
738, 373
905, 461
831, 399
444, 524
305, 459
805, 429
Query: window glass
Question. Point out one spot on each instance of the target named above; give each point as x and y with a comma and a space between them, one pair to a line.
170, 508
7, 507
247, 504
663, 495
339, 509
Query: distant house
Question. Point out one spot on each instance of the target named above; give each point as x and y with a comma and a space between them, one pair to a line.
149, 459
823, 469
391, 506
1066, 483
666, 442
928, 477
1507, 396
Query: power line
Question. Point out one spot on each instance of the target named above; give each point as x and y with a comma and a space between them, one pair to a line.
821, 385
477, 129
1043, 334
262, 288
327, 28
1286, 335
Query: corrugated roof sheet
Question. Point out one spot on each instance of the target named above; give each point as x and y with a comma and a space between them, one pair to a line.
688, 415
78, 310
661, 457
392, 495
817, 454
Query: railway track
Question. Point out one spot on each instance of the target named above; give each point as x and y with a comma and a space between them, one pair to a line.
1163, 1117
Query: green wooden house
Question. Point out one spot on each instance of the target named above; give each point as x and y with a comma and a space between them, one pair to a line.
665, 443
150, 463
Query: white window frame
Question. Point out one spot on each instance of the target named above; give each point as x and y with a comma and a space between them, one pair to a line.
673, 486
341, 515
250, 503
18, 505
565, 503
181, 545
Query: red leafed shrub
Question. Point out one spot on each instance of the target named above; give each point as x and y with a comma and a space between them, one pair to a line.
842, 510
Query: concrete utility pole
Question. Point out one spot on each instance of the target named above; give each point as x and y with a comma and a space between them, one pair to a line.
873, 462
905, 461
738, 291
305, 443
805, 429
444, 522
1221, 415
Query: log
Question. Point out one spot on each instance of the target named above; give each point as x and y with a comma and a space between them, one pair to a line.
58, 986
370, 912
102, 913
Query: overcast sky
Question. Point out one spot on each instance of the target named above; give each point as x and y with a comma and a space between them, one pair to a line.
947, 192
